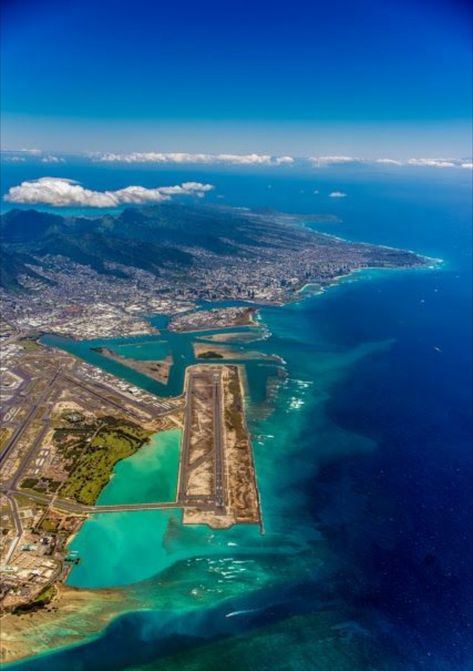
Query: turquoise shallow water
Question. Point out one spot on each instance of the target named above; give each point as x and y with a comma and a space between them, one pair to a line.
109, 544
157, 347
237, 573
364, 469
148, 475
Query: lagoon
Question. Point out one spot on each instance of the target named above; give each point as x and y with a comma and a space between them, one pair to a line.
121, 548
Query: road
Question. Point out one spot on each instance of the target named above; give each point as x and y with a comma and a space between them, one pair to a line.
27, 457
102, 397
23, 426
129, 401
80, 509
17, 434
18, 528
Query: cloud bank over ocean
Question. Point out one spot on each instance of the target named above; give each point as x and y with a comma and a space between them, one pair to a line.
181, 157
231, 160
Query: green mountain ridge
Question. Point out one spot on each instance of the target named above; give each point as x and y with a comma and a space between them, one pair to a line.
174, 237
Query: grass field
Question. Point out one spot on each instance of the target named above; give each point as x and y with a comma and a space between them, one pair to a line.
4, 435
94, 467
30, 345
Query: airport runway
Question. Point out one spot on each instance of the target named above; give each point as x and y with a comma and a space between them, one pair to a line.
217, 452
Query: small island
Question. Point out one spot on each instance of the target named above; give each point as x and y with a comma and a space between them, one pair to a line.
209, 354
157, 370
211, 351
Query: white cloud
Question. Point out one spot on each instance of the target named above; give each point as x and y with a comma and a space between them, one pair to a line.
284, 160
52, 159
17, 155
239, 159
337, 194
180, 157
321, 161
468, 166
332, 160
389, 161
33, 155
66, 192
243, 160
13, 158
432, 162
31, 152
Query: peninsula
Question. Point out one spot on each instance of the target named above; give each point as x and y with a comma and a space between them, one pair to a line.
157, 370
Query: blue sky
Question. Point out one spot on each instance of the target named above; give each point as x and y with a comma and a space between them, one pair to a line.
365, 78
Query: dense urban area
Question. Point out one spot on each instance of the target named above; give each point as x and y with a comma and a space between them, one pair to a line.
79, 283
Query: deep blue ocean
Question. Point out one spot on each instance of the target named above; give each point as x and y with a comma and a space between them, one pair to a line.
364, 463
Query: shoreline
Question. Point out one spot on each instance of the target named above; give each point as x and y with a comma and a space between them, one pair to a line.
53, 608
338, 279
62, 587
65, 604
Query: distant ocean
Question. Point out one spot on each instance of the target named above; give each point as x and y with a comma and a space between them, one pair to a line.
364, 463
